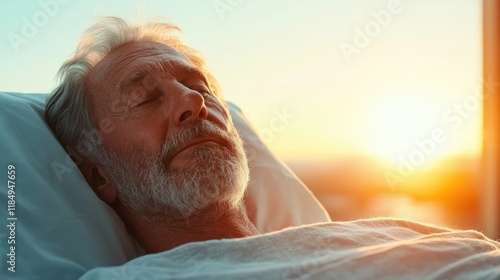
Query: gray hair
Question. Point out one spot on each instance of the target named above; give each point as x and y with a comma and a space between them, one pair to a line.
68, 111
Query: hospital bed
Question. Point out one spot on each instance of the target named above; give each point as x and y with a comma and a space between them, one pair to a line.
56, 228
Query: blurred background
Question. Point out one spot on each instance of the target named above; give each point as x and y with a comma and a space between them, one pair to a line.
375, 104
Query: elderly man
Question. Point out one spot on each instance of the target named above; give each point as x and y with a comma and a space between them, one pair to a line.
168, 159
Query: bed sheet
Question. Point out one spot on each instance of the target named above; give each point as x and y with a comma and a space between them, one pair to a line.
363, 249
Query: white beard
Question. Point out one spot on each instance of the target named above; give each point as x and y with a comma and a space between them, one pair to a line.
217, 175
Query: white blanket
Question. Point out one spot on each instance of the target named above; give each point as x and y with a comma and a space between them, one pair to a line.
364, 249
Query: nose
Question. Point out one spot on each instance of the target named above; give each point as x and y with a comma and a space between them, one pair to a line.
190, 106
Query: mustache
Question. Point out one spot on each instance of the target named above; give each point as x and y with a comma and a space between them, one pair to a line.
192, 131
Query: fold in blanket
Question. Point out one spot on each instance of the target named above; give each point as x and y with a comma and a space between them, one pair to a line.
364, 249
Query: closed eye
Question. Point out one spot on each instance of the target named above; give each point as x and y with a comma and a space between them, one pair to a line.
196, 83
143, 102
141, 97
201, 88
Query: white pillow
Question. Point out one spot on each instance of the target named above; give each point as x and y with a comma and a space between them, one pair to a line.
63, 229
275, 198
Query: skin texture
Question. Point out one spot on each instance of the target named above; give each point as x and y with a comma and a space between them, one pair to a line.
142, 93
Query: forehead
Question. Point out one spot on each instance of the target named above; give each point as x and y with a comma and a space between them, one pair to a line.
132, 57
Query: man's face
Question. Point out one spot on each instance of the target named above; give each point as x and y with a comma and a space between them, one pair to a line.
170, 142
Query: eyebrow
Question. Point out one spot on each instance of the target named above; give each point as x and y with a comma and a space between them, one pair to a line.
159, 67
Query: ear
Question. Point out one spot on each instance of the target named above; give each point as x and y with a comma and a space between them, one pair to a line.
98, 181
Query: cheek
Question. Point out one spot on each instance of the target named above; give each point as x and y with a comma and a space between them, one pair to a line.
145, 136
219, 118
219, 113
118, 140
150, 137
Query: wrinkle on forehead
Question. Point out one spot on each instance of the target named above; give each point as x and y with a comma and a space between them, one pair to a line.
136, 52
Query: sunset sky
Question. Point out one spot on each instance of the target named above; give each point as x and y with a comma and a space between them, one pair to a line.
323, 78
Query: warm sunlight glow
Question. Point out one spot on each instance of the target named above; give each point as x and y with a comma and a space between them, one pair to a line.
396, 122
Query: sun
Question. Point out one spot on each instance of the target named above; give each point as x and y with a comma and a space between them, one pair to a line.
397, 122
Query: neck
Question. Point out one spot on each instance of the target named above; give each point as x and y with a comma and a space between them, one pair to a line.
213, 223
